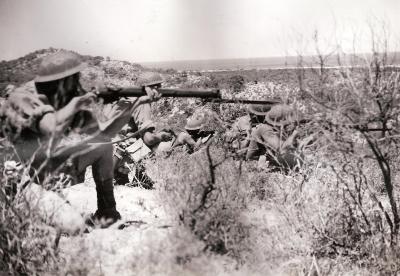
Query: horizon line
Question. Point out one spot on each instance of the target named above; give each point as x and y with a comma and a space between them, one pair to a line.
197, 60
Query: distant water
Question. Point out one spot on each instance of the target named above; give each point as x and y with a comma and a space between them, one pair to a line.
224, 64
255, 63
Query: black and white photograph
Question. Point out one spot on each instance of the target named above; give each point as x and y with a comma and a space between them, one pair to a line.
208, 137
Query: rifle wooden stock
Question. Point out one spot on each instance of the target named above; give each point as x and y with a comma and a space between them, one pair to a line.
210, 95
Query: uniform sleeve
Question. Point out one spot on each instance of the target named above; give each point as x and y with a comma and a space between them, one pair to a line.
142, 117
266, 136
254, 147
242, 124
25, 110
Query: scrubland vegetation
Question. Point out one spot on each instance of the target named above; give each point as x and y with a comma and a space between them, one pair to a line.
337, 215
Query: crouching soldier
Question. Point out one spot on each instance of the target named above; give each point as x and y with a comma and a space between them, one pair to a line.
133, 152
271, 140
55, 123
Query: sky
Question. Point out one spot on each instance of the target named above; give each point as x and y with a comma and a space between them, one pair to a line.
168, 30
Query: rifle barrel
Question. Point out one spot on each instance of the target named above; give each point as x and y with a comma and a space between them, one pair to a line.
245, 101
165, 92
211, 95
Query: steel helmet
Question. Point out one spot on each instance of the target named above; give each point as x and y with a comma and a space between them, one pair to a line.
149, 78
280, 115
259, 109
58, 66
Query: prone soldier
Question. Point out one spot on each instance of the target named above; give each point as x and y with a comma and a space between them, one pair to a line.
199, 130
269, 138
238, 137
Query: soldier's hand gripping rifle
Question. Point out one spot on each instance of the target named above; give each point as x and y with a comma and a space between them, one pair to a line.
210, 95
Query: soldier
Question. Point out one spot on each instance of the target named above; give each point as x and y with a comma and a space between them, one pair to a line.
54, 123
269, 138
199, 130
238, 136
150, 139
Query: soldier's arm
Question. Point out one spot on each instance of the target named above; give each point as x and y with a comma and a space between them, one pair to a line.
142, 115
290, 140
152, 138
56, 122
252, 151
262, 136
184, 139
152, 96
266, 136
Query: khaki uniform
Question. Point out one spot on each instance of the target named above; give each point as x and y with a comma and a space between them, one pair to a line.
21, 115
239, 135
141, 118
23, 110
268, 141
191, 143
27, 121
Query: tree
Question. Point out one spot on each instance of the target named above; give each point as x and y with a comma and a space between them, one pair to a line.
355, 110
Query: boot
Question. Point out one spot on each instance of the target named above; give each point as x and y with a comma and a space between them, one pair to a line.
106, 213
103, 218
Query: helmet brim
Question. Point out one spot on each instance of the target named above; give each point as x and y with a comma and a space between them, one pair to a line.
261, 110
280, 122
61, 75
152, 83
193, 128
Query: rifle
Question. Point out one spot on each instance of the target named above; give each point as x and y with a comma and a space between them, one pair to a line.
210, 95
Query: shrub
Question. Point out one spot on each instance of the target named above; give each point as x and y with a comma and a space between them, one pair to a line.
27, 245
206, 193
236, 83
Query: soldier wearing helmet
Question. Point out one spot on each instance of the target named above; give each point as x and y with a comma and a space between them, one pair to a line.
150, 139
53, 122
269, 139
199, 130
143, 115
238, 136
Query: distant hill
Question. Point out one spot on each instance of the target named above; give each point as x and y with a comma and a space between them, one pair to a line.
23, 69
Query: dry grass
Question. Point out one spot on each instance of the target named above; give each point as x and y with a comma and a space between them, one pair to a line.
28, 246
232, 218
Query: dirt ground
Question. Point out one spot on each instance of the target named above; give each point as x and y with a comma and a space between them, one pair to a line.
139, 238
143, 219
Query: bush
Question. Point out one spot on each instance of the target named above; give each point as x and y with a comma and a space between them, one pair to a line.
236, 83
27, 245
206, 193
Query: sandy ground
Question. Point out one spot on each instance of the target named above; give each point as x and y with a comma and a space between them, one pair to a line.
148, 227
144, 219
